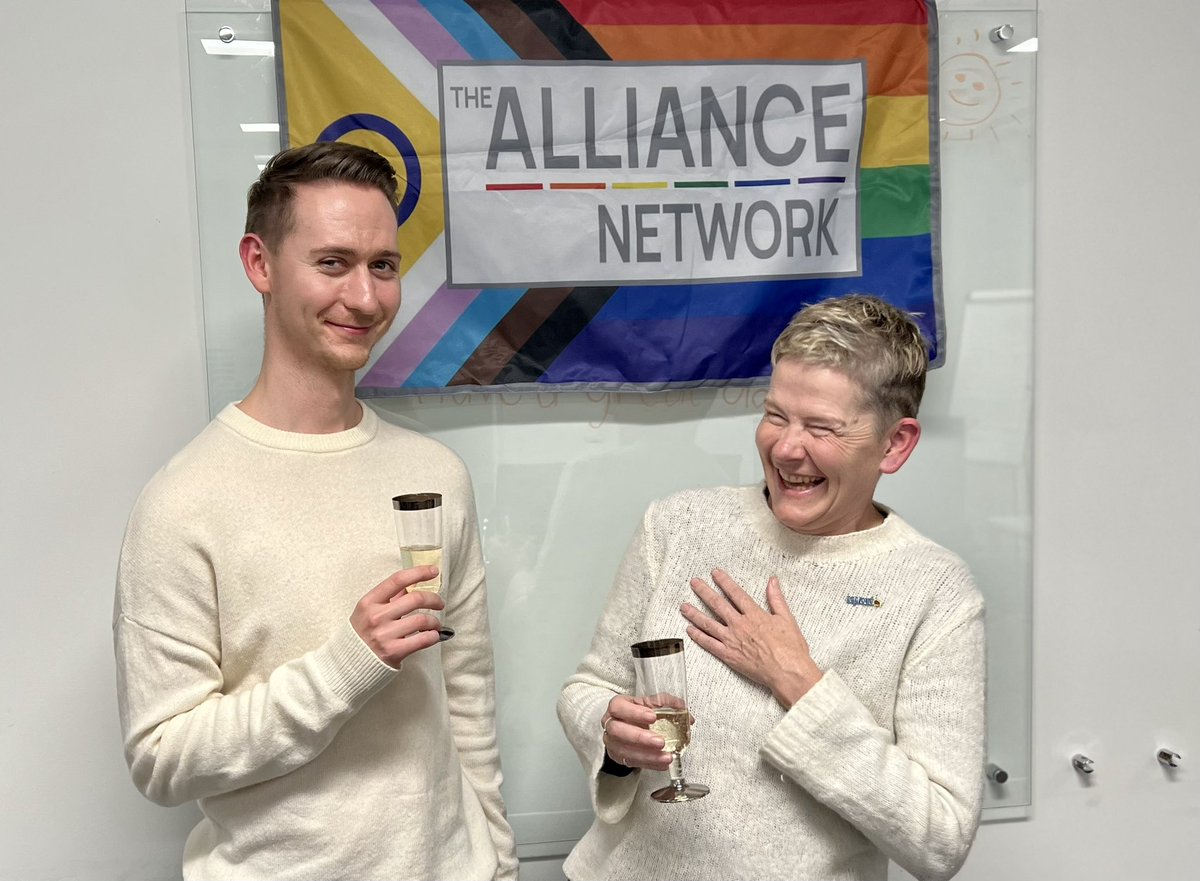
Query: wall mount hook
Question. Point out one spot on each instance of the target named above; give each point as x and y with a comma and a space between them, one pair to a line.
1169, 758
1002, 34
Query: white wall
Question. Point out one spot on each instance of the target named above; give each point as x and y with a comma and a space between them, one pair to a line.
103, 378
1116, 594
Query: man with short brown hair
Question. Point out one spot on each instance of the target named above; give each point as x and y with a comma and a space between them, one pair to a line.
271, 661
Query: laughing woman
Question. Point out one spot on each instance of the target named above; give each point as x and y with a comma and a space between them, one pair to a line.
835, 658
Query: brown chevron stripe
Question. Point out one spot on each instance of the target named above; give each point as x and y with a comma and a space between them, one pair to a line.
532, 360
514, 28
507, 337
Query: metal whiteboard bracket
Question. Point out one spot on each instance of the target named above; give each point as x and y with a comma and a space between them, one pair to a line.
1002, 34
226, 34
996, 774
1169, 758
1082, 763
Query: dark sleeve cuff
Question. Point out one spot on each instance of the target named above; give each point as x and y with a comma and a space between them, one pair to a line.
610, 766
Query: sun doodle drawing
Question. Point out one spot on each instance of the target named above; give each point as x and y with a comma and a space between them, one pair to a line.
976, 90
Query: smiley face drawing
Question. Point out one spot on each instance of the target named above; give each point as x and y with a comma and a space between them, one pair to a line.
970, 90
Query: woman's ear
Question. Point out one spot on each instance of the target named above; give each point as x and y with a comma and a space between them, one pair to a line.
901, 441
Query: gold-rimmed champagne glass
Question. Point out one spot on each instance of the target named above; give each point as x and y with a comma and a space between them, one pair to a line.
419, 531
661, 685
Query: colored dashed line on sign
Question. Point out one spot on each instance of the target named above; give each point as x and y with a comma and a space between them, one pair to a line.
514, 186
662, 185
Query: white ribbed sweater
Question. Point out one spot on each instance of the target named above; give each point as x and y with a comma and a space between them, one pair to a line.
242, 684
883, 758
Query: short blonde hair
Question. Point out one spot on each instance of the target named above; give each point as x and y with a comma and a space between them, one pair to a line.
877, 345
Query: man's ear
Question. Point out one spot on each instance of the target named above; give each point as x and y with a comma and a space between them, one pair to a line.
901, 441
256, 261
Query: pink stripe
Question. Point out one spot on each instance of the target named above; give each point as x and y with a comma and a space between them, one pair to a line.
422, 30
418, 337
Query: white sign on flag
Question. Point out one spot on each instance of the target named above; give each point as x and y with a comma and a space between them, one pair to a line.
588, 174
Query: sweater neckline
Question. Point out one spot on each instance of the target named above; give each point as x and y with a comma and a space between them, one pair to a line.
241, 423
892, 533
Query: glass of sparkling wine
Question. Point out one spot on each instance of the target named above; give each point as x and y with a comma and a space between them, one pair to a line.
419, 531
661, 685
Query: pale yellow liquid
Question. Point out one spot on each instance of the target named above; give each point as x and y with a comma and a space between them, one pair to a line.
424, 555
674, 726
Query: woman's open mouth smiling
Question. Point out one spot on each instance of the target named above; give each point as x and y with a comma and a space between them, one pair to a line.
799, 481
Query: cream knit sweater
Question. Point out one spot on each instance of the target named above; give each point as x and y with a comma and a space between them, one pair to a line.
242, 684
883, 758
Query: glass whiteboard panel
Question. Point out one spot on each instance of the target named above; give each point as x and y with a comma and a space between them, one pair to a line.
562, 479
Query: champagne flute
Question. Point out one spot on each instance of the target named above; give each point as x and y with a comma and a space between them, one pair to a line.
661, 685
419, 531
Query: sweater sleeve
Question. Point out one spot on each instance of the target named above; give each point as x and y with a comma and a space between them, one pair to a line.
606, 671
184, 737
916, 794
470, 684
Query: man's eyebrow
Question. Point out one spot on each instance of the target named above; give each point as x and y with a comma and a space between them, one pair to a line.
341, 251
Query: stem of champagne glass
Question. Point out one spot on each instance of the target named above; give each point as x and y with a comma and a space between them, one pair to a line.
677, 771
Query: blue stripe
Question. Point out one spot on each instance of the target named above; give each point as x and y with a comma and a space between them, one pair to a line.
697, 333
457, 344
472, 32
765, 182
882, 259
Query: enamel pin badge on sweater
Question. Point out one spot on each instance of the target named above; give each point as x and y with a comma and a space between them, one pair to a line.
876, 602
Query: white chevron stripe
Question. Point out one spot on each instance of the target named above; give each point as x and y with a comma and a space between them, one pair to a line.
391, 47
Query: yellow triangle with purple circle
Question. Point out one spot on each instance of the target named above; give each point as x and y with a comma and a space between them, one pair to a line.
331, 75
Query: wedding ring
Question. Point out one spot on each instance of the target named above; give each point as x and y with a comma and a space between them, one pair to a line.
604, 725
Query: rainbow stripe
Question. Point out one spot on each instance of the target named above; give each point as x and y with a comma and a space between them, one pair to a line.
379, 56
